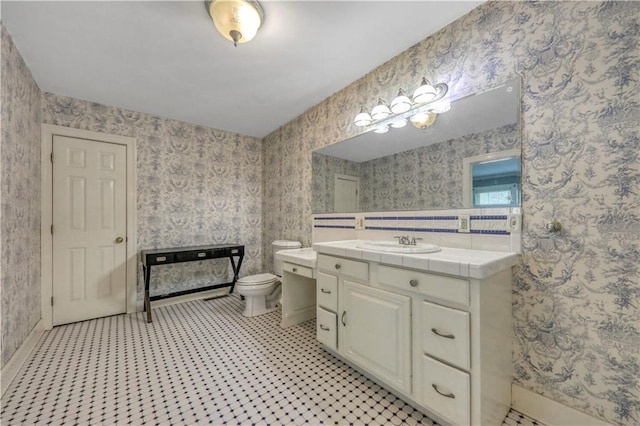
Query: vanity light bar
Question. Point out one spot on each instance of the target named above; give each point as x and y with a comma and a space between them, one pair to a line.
426, 99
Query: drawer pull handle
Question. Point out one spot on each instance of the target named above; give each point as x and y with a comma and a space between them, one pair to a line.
161, 258
294, 269
202, 254
413, 283
324, 327
342, 319
446, 395
338, 266
325, 291
446, 336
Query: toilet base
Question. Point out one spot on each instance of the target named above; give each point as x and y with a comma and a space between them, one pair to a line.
257, 305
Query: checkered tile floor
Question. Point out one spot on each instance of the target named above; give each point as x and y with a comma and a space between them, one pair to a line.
198, 362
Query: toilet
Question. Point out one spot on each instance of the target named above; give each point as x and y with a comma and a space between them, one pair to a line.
262, 291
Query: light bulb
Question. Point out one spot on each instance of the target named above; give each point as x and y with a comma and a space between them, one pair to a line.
399, 123
400, 103
422, 120
362, 119
380, 111
424, 93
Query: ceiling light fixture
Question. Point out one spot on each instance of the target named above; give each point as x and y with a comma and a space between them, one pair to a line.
422, 110
237, 20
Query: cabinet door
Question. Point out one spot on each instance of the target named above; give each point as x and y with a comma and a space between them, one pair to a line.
376, 332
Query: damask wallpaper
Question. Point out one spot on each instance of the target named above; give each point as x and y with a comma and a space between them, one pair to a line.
195, 185
576, 295
20, 201
324, 170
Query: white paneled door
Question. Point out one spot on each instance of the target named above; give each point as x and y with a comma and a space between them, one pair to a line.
89, 229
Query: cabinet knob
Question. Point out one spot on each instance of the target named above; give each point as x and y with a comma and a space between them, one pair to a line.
324, 327
325, 291
413, 283
295, 269
342, 319
338, 266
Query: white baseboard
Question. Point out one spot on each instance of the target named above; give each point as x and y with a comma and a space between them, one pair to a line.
548, 411
11, 368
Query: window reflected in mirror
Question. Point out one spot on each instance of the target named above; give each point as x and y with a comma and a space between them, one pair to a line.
496, 183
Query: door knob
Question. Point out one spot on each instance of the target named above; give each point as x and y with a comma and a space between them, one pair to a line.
119, 240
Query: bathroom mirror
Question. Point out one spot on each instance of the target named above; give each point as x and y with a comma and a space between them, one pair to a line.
413, 169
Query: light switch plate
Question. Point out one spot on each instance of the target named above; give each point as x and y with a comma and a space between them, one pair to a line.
359, 222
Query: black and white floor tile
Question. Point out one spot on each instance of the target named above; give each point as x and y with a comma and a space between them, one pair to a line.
198, 362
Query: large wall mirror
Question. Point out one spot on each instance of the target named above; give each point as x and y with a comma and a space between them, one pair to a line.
414, 169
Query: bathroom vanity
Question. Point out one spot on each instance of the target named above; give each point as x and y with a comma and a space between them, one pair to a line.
434, 327
298, 285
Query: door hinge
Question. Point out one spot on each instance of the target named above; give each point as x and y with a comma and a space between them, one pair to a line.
51, 229
51, 157
51, 300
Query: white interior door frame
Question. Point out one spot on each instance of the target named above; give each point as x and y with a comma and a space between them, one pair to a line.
46, 218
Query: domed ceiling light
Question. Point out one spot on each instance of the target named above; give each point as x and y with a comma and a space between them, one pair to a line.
237, 20
422, 109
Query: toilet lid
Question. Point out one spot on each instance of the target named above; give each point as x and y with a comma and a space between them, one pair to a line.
257, 279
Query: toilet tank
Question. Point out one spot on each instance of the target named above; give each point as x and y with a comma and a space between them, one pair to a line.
282, 245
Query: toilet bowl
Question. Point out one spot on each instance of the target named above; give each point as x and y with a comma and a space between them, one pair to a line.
258, 291
261, 292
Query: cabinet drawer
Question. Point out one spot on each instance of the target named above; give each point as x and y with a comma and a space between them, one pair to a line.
187, 256
326, 328
344, 267
297, 269
327, 291
444, 288
159, 259
445, 334
446, 391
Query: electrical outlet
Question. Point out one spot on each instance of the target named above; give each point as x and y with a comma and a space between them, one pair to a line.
464, 223
359, 222
514, 223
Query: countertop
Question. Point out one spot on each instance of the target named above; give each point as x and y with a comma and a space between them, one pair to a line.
478, 264
302, 256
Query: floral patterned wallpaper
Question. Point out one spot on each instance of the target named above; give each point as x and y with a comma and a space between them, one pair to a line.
20, 205
576, 295
195, 185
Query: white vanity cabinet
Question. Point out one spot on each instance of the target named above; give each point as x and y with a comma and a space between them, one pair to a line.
441, 341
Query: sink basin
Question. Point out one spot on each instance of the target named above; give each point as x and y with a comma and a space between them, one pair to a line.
395, 247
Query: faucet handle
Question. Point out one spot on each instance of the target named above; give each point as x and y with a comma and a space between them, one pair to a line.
414, 239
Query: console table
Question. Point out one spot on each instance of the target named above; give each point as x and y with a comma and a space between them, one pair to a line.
188, 254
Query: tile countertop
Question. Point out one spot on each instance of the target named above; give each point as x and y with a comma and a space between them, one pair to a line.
303, 256
478, 264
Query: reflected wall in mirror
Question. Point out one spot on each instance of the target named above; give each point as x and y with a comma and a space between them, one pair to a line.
412, 169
